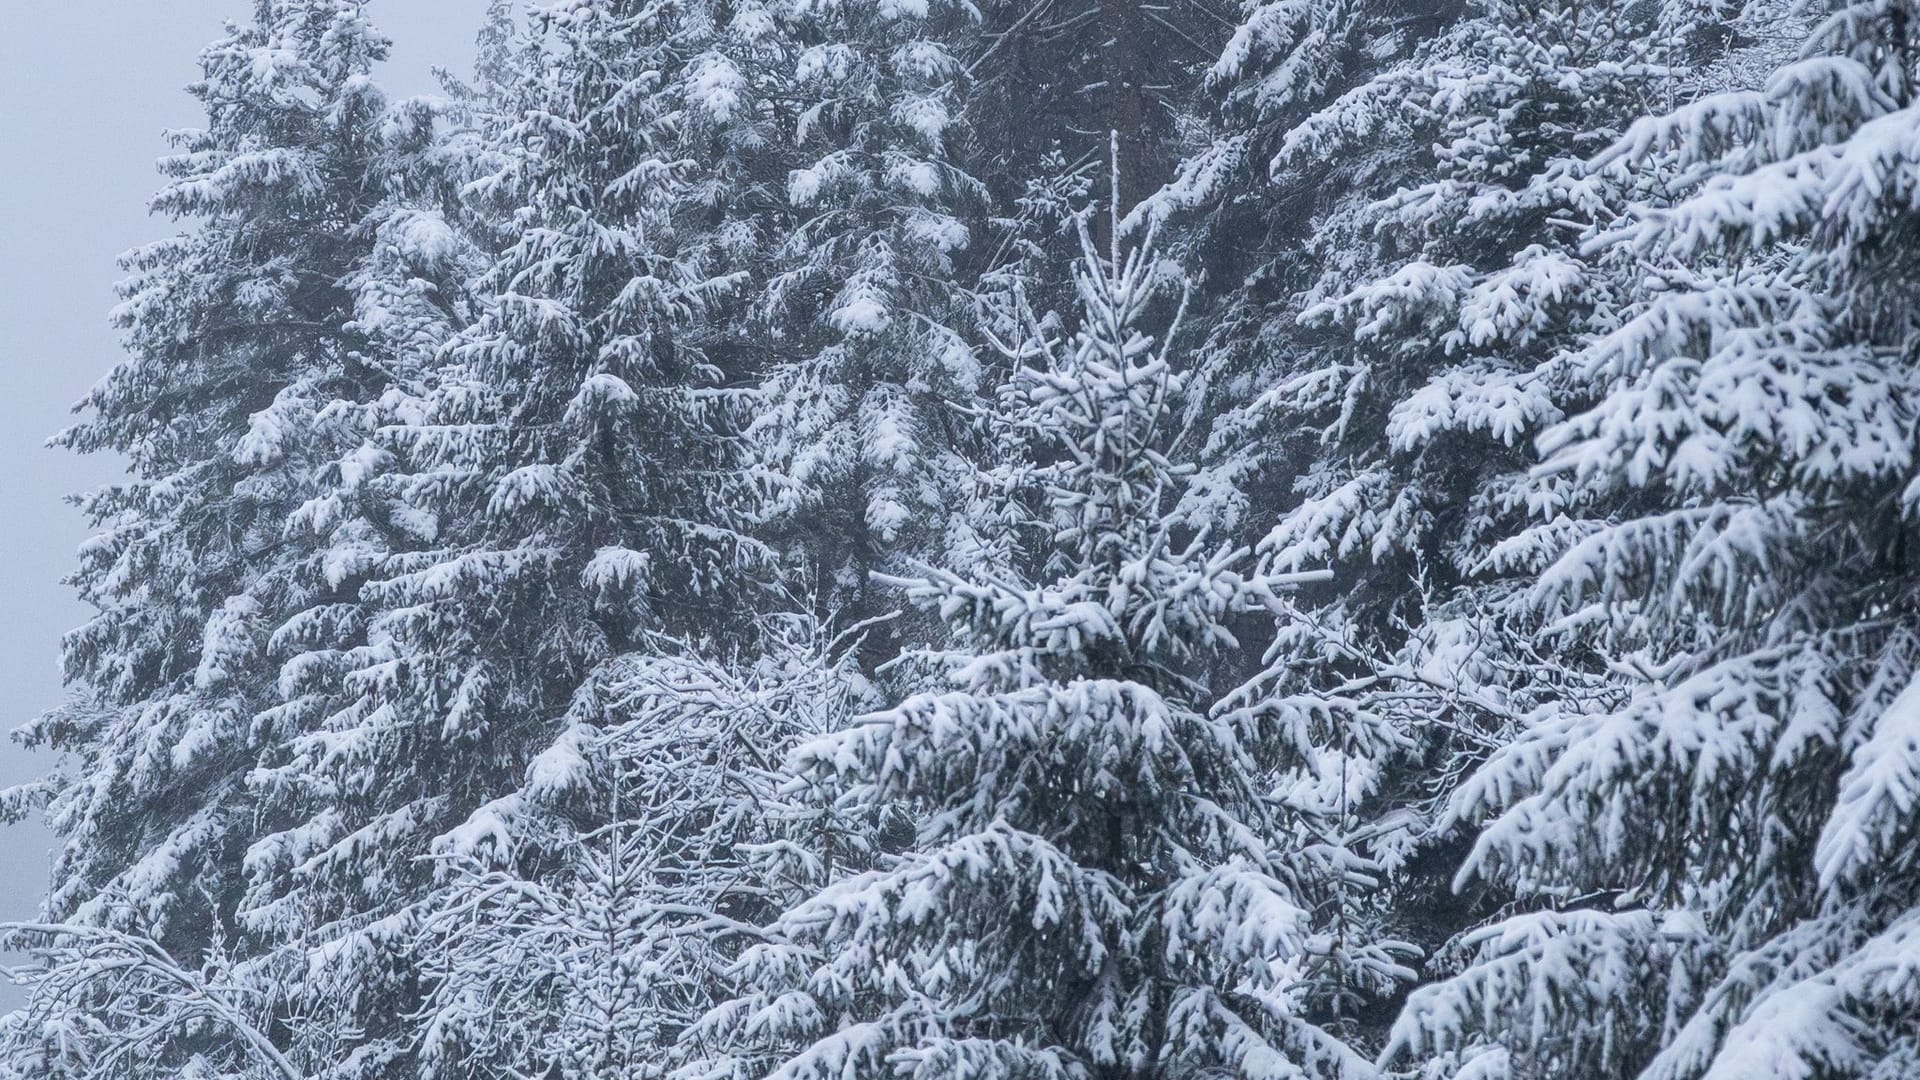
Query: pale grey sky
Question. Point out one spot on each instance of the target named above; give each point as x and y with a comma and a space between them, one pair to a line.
86, 88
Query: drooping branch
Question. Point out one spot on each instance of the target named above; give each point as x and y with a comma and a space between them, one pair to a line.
94, 954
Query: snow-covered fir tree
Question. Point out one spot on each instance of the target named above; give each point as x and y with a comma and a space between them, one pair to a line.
1715, 873
870, 397
251, 338
567, 482
1400, 390
1102, 882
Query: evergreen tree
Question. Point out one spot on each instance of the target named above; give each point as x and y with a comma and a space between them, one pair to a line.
565, 485
240, 333
1408, 386
869, 301
1397, 392
1100, 883
1715, 869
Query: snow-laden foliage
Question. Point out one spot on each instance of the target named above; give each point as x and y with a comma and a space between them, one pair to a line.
99, 1000
1724, 855
1101, 880
596, 909
257, 341
1486, 529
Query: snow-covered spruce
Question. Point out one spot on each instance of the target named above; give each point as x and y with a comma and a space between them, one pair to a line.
866, 299
1371, 389
569, 482
1724, 860
257, 341
1101, 884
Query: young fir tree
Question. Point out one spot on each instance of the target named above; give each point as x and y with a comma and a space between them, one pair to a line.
1367, 388
1101, 883
239, 333
1718, 870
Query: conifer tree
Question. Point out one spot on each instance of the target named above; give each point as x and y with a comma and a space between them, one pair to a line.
567, 483
1100, 883
1384, 408
1715, 869
870, 397
240, 333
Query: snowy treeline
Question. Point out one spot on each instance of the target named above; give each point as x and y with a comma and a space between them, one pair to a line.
1070, 539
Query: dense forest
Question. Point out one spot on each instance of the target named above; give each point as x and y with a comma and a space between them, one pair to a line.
1045, 540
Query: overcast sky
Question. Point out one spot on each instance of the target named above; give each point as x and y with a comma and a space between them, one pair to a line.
86, 88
